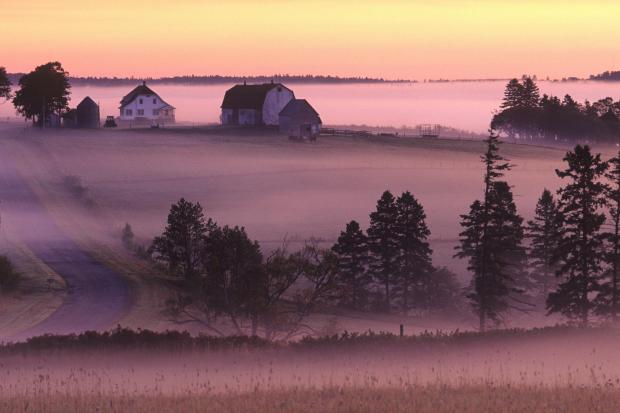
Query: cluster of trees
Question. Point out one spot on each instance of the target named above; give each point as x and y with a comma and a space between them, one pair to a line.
572, 260
610, 76
42, 92
390, 266
221, 274
524, 114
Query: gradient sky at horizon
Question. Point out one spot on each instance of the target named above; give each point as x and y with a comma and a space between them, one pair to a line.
393, 39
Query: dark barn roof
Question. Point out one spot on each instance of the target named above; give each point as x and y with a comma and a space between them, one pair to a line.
248, 96
301, 110
87, 103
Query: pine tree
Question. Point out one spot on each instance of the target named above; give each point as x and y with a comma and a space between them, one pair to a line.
545, 232
383, 245
530, 94
476, 241
352, 280
609, 297
512, 94
581, 248
414, 259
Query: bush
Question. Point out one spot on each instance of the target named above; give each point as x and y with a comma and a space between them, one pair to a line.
9, 278
75, 186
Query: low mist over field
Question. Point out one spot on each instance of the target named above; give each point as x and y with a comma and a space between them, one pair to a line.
275, 188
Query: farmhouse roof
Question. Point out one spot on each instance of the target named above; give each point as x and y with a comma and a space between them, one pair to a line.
302, 110
248, 96
142, 89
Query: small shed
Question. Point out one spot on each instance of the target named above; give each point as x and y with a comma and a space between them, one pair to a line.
69, 119
87, 114
298, 119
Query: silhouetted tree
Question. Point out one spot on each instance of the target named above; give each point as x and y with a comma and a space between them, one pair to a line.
581, 248
443, 292
5, 84
181, 246
545, 233
414, 253
608, 301
491, 282
42, 92
353, 280
383, 243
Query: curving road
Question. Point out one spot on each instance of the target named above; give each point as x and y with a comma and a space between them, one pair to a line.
96, 298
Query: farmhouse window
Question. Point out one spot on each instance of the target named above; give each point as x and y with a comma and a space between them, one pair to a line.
140, 112
155, 112
128, 112
154, 101
140, 100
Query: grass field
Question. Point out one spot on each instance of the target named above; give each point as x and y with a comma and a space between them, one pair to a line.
419, 399
552, 370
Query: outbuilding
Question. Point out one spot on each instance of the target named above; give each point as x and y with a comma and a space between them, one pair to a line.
258, 104
87, 114
298, 119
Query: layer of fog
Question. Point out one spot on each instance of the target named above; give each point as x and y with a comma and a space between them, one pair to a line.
276, 189
463, 105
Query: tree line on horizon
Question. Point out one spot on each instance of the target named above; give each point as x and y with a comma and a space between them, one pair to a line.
525, 115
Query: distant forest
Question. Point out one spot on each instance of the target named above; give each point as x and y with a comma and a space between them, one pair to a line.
216, 79
524, 114
613, 76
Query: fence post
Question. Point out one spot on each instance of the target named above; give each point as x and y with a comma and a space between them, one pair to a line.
402, 330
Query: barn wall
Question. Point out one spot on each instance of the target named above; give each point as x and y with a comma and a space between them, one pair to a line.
275, 101
227, 117
249, 117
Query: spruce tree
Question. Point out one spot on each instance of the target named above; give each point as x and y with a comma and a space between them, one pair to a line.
352, 280
383, 245
544, 232
581, 247
609, 297
489, 287
530, 94
414, 259
512, 94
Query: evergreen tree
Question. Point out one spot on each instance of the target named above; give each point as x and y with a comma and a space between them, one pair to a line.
545, 232
581, 248
383, 245
479, 241
512, 94
530, 94
609, 297
352, 279
414, 258
181, 246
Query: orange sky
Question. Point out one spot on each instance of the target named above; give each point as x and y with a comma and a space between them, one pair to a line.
395, 39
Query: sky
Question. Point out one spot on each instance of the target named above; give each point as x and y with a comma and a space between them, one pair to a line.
390, 39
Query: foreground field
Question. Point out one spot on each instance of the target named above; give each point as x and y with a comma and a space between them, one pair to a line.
548, 370
419, 399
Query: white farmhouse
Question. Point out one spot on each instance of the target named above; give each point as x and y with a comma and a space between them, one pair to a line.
144, 105
255, 104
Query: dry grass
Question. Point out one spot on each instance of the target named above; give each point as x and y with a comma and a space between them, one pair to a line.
420, 399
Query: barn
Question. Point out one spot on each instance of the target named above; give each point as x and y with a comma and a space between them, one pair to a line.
87, 114
298, 119
143, 105
258, 104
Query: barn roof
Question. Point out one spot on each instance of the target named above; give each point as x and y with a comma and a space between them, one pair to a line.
248, 96
142, 89
87, 102
301, 110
